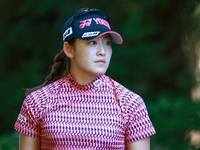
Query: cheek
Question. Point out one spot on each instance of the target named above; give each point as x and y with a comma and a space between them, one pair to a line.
86, 58
109, 53
89, 55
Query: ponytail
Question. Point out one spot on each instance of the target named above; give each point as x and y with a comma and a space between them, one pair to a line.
60, 68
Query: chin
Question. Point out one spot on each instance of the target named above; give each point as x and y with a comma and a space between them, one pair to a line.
98, 73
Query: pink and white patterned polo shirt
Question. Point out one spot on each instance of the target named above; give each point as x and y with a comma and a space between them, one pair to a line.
99, 115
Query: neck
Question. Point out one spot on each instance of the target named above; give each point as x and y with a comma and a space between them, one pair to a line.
82, 78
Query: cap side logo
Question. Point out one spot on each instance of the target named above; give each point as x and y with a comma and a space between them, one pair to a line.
97, 83
22, 118
67, 33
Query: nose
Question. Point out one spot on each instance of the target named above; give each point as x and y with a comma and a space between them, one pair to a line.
101, 49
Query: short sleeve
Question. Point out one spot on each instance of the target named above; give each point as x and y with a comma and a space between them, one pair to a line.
27, 122
139, 124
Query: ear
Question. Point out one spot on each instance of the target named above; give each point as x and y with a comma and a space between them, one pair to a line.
68, 50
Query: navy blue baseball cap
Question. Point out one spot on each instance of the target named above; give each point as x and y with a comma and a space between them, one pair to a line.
88, 24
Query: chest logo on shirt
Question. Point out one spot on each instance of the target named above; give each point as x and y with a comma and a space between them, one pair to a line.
22, 118
97, 83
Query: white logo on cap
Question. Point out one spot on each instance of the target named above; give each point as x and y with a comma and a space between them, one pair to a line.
67, 33
89, 34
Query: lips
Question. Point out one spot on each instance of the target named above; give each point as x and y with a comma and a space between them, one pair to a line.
100, 61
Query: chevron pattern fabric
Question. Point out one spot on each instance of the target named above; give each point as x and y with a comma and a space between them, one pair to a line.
67, 115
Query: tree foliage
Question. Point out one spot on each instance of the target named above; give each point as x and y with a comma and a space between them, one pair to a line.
151, 61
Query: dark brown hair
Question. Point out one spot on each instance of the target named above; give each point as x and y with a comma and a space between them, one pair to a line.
59, 69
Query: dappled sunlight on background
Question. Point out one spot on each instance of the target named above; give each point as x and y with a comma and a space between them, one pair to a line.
192, 49
194, 136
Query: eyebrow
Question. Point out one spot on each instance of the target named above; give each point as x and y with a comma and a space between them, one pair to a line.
104, 36
107, 36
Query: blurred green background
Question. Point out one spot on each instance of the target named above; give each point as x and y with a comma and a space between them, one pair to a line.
159, 60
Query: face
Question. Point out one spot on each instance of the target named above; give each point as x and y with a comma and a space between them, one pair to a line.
91, 58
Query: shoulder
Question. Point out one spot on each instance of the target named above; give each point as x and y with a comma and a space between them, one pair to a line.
35, 104
45, 92
127, 96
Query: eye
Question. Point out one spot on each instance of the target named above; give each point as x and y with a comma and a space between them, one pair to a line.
92, 42
108, 43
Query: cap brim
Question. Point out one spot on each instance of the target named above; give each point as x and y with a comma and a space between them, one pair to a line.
115, 37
